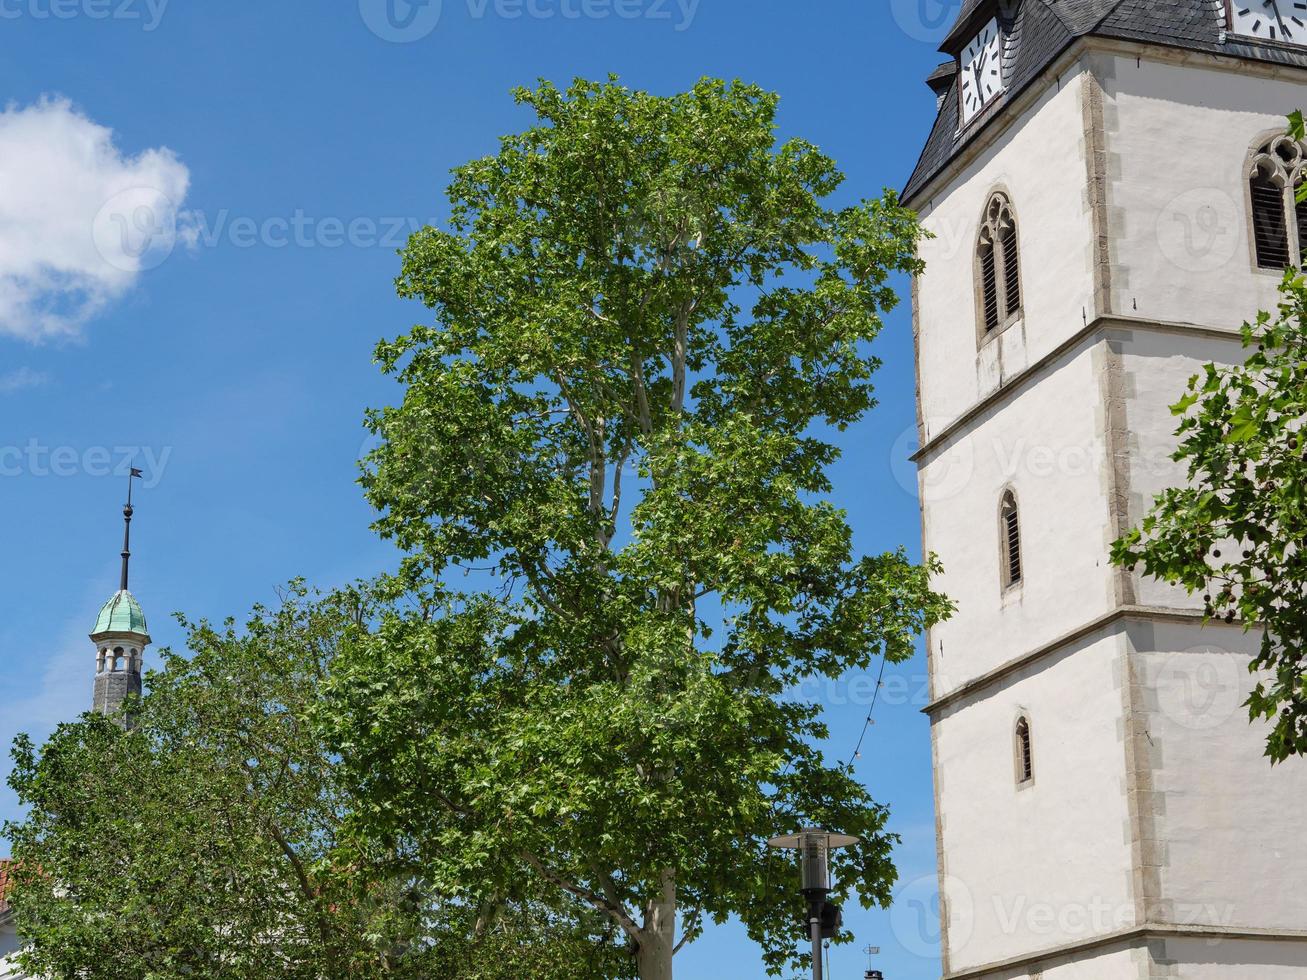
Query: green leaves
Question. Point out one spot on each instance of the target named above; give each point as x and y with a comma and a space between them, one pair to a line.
1233, 535
213, 840
644, 312
645, 317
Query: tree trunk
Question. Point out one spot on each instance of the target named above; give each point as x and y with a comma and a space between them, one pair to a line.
655, 959
658, 937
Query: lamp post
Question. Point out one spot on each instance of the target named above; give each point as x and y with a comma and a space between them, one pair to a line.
814, 846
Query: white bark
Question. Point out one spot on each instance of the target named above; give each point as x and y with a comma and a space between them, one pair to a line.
658, 937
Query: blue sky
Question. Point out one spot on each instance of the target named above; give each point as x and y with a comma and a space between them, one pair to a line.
299, 142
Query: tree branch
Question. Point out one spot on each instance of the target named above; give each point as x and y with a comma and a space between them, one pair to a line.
691, 925
615, 911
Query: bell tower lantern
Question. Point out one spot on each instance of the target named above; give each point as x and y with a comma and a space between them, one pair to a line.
120, 636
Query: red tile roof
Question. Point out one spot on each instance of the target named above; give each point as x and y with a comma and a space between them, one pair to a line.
4, 887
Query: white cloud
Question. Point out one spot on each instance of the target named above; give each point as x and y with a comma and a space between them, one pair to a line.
79, 220
20, 380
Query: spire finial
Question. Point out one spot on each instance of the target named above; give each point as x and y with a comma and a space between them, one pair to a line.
128, 511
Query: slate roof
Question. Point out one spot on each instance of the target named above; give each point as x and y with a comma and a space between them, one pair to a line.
1040, 30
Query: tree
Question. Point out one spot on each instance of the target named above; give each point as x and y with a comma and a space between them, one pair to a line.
647, 324
1234, 533
209, 839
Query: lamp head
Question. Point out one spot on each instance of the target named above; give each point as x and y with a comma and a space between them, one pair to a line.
814, 846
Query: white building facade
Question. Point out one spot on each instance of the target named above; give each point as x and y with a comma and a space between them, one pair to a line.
1108, 204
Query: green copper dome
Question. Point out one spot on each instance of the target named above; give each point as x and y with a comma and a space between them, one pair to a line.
121, 614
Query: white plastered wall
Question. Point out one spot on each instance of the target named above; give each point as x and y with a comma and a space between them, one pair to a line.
1179, 135
1047, 446
1225, 827
1156, 369
1039, 162
1233, 825
1201, 959
1034, 868
1107, 964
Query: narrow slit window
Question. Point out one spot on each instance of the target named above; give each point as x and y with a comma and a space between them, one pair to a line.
1010, 540
1025, 756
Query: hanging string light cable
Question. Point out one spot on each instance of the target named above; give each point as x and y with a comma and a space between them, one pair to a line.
867, 722
871, 709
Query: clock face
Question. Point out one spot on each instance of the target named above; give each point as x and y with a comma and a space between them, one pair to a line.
1270, 20
982, 70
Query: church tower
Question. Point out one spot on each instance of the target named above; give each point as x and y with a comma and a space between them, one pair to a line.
120, 636
1110, 193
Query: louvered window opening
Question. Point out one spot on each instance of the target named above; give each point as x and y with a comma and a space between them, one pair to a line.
1268, 225
1025, 758
989, 286
998, 266
1300, 221
1279, 223
1011, 530
1011, 268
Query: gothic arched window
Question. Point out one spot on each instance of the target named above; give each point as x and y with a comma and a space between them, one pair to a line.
1009, 519
1279, 222
998, 267
1025, 754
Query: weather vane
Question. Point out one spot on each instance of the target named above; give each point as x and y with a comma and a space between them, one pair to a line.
128, 510
872, 973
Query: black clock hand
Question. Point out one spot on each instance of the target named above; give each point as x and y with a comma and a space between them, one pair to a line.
1275, 9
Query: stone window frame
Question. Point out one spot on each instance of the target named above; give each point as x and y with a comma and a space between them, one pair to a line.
1286, 173
999, 214
1023, 751
1009, 582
